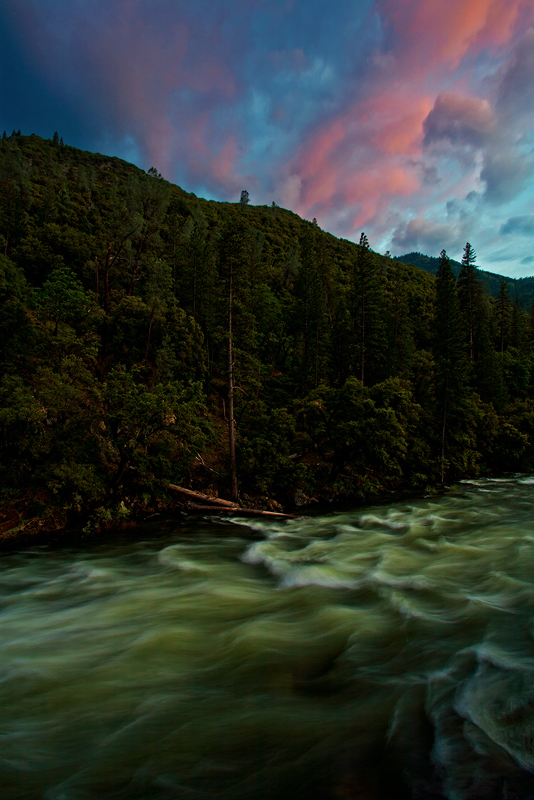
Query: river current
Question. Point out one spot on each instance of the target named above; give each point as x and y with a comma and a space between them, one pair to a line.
382, 653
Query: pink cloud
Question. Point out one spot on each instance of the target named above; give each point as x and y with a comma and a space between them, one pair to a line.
224, 163
397, 121
349, 160
318, 169
370, 192
128, 54
447, 30
365, 155
190, 91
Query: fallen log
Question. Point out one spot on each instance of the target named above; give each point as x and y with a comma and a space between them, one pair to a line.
214, 505
203, 499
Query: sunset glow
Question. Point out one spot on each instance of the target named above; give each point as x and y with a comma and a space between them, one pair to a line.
410, 120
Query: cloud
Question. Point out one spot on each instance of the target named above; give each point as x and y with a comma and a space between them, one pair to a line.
394, 139
289, 191
505, 173
459, 121
524, 226
444, 32
224, 162
377, 115
501, 257
288, 61
487, 137
426, 236
516, 89
359, 158
155, 74
527, 260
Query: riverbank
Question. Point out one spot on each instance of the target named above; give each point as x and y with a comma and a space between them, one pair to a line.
20, 528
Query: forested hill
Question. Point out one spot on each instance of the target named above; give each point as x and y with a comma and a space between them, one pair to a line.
522, 287
134, 316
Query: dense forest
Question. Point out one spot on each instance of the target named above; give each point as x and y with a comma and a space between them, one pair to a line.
150, 337
523, 288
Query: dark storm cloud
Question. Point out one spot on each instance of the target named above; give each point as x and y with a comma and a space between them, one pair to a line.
505, 174
426, 236
524, 225
26, 99
459, 121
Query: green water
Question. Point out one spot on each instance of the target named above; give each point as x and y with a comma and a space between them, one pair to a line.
382, 653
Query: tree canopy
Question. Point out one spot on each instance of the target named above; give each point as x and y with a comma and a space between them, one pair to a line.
137, 321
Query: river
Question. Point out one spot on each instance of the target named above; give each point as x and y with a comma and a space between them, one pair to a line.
382, 653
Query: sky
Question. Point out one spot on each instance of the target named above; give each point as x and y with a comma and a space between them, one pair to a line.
411, 120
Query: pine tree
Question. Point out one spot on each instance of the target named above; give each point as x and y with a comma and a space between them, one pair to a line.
469, 291
530, 327
518, 324
340, 343
313, 326
367, 311
503, 313
401, 345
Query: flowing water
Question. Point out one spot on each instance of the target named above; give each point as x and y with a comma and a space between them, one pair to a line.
381, 653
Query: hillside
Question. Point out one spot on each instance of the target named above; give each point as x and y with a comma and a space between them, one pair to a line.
150, 337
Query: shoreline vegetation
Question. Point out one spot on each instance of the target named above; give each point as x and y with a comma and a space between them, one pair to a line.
18, 533
150, 339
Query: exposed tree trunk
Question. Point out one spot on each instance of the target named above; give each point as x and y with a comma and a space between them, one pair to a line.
106, 279
316, 382
471, 323
443, 432
135, 270
306, 331
195, 286
362, 370
231, 422
149, 331
110, 263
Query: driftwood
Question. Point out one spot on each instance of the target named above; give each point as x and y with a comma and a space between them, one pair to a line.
204, 504
204, 499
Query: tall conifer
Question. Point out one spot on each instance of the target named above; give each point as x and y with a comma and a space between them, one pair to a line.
469, 291
367, 312
503, 312
401, 345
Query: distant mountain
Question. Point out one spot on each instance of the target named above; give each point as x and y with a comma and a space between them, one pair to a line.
523, 287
